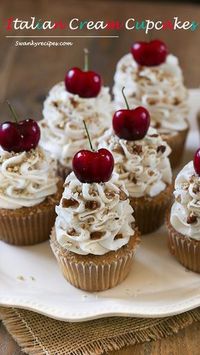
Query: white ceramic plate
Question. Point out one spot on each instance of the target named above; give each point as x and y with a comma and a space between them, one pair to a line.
157, 285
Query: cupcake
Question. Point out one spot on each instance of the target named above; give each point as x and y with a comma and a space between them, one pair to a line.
29, 187
80, 97
153, 79
141, 160
94, 238
183, 221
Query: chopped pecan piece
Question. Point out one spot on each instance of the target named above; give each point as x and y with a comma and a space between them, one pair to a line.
118, 236
122, 196
92, 205
196, 188
161, 148
109, 193
118, 149
96, 235
137, 149
191, 219
69, 203
71, 231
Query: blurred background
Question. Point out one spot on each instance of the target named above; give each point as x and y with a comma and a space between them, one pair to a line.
27, 73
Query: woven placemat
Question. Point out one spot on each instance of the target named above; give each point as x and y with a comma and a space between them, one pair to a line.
38, 335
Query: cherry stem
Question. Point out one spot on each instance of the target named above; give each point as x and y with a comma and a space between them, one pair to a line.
88, 136
12, 111
125, 99
86, 61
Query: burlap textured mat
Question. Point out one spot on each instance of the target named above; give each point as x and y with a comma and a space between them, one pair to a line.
38, 335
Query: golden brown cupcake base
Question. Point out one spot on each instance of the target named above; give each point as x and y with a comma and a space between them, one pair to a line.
149, 212
95, 273
63, 171
177, 144
29, 225
185, 249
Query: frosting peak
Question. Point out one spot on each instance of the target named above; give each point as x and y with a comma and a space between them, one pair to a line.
159, 89
94, 218
62, 130
142, 165
26, 178
185, 212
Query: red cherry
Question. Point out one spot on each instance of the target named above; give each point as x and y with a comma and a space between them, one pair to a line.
10, 137
196, 162
92, 167
30, 133
149, 53
86, 84
131, 124
19, 136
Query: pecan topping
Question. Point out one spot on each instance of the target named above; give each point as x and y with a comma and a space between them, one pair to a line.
118, 149
153, 135
55, 104
137, 149
157, 125
69, 203
176, 101
161, 148
74, 102
122, 196
109, 194
92, 205
191, 219
118, 236
71, 231
132, 178
196, 188
96, 235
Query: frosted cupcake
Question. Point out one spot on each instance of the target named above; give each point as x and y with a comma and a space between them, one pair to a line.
153, 79
94, 238
141, 160
80, 97
29, 188
183, 221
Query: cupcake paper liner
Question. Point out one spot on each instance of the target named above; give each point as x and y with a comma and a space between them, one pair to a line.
63, 171
29, 225
95, 273
185, 249
149, 212
176, 143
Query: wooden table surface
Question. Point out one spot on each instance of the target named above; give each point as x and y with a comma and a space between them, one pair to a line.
27, 74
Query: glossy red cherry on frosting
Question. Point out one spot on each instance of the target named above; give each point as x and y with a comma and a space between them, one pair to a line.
85, 83
19, 136
93, 166
149, 53
196, 162
131, 124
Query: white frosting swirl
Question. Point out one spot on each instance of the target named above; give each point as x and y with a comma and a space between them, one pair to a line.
142, 165
62, 129
99, 219
185, 212
26, 178
160, 89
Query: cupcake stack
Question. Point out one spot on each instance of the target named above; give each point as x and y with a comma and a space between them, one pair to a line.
100, 177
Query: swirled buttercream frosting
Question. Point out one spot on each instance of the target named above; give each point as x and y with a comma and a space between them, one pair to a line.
160, 89
185, 212
142, 165
94, 218
26, 178
62, 129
